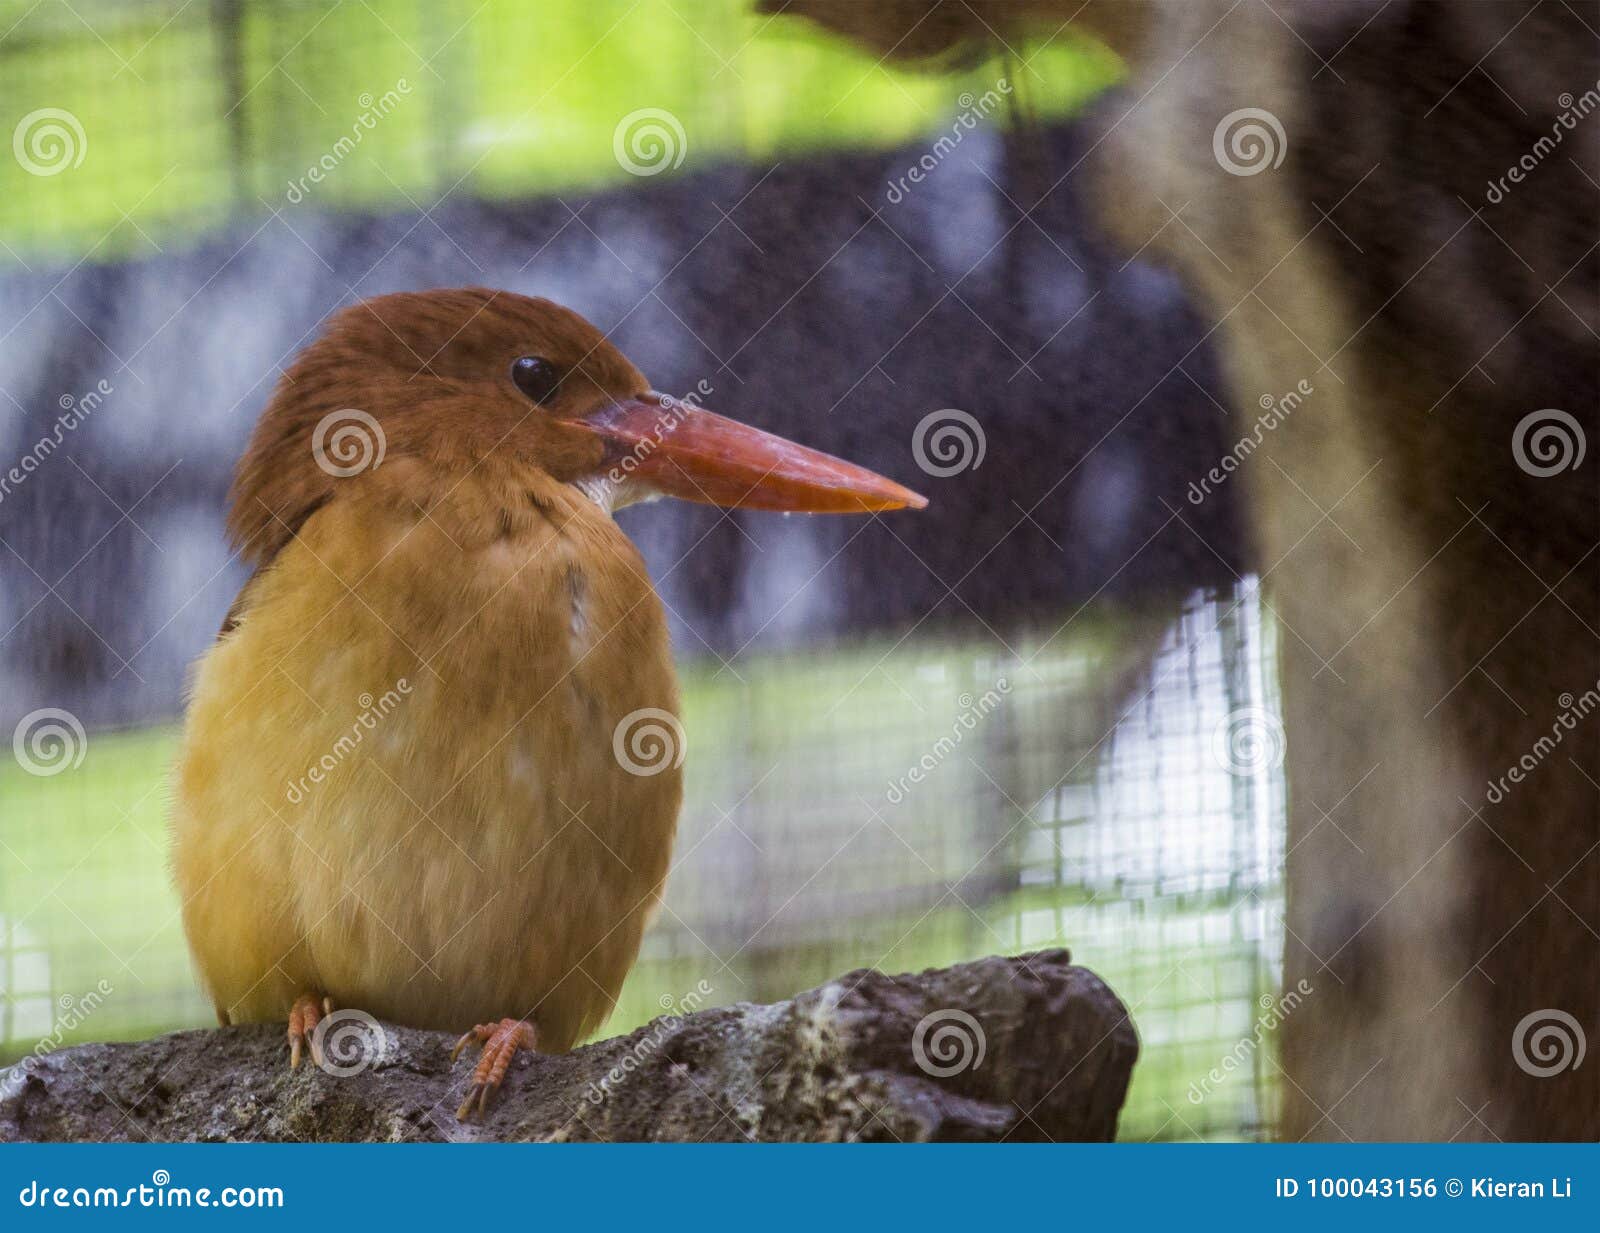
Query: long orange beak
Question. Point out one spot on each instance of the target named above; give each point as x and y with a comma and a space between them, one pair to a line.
683, 451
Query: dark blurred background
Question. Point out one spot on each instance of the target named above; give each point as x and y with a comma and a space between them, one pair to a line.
724, 194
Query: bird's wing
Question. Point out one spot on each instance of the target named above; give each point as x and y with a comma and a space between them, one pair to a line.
236, 610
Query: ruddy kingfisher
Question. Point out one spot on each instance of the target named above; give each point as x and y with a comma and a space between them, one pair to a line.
404, 784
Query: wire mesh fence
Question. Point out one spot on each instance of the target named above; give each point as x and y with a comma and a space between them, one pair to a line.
1079, 749
892, 806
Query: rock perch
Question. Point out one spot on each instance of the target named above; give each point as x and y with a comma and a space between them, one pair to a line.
1028, 1047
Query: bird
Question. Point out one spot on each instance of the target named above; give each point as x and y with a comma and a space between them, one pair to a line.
410, 780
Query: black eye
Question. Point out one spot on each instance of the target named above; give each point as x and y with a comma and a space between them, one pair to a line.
535, 377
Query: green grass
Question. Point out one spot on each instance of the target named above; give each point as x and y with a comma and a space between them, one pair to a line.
85, 897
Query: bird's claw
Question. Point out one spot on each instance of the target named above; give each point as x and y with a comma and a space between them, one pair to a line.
304, 1016
500, 1044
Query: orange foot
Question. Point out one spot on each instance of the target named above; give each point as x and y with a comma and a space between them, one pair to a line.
304, 1016
500, 1044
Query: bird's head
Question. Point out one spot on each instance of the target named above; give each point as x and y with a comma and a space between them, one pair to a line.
417, 390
